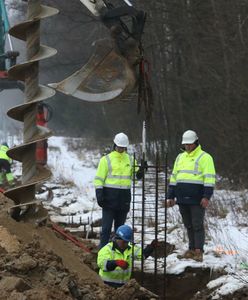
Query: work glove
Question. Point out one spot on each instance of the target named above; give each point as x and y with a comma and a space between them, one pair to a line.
99, 197
122, 263
142, 169
111, 265
144, 165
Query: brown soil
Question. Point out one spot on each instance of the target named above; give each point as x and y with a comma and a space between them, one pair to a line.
37, 264
175, 287
205, 294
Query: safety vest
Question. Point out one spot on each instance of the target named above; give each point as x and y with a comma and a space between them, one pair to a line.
118, 275
3, 155
196, 167
115, 170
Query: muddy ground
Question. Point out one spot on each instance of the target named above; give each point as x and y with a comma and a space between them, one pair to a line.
36, 263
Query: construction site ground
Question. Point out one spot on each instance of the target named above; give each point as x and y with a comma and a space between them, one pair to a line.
36, 263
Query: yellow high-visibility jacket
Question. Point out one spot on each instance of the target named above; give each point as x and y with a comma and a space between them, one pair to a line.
193, 177
3, 154
6, 165
113, 180
118, 275
115, 170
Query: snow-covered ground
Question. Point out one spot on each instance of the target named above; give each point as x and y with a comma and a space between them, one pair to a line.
74, 166
226, 248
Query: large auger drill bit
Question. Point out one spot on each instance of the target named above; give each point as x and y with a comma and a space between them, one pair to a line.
28, 72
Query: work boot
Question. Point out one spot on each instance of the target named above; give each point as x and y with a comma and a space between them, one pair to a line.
198, 255
187, 254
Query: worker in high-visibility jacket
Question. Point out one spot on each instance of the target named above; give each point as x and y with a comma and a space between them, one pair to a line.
113, 185
115, 259
191, 184
5, 168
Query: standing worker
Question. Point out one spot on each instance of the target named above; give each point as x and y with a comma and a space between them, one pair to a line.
115, 259
5, 162
192, 184
113, 185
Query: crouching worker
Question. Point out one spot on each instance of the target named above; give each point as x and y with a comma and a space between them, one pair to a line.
115, 258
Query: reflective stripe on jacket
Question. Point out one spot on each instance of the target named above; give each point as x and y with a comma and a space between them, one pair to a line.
3, 155
118, 275
193, 174
115, 170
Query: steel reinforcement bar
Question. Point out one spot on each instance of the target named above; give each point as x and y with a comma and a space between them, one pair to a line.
28, 72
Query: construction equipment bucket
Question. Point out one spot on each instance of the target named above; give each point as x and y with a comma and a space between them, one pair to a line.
106, 76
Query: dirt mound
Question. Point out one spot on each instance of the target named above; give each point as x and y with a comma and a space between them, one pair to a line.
241, 294
37, 264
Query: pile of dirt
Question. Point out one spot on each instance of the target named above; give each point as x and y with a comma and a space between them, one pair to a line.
207, 294
37, 264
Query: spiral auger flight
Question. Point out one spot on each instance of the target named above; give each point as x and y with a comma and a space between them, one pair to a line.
24, 194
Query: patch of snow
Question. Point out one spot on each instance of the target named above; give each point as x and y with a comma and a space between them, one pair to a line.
225, 285
226, 248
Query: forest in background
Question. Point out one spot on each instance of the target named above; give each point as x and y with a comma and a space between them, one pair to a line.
198, 56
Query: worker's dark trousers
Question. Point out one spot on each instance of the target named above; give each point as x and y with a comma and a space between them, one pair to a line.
108, 216
4, 165
193, 220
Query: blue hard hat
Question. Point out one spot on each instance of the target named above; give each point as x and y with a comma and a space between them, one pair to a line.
125, 233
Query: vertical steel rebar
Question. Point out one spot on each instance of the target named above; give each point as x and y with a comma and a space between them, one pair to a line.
149, 216
165, 222
133, 206
156, 219
143, 223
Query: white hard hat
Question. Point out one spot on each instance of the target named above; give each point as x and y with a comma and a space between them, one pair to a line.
189, 137
121, 140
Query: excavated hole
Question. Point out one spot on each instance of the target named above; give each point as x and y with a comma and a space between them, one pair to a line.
177, 287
